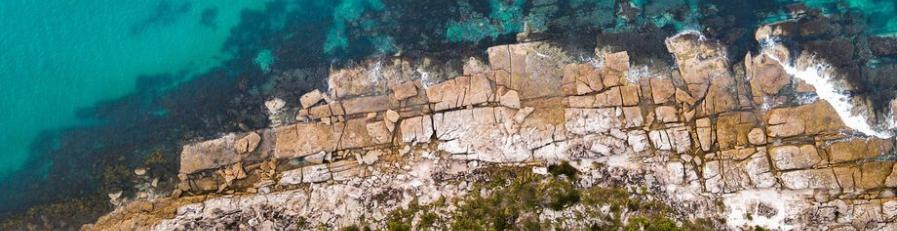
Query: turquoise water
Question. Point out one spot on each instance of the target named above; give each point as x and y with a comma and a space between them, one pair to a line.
58, 56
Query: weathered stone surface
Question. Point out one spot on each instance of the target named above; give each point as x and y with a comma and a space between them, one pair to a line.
311, 98
633, 117
209, 154
580, 79
416, 129
300, 140
404, 90
630, 95
666, 114
793, 157
248, 143
769, 79
510, 99
732, 129
757, 136
705, 133
275, 105
808, 119
699, 62
586, 121
609, 98
662, 90
363, 105
809, 179
859, 149
535, 70
459, 92
616, 68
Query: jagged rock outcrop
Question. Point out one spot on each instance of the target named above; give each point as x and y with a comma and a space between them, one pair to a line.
702, 132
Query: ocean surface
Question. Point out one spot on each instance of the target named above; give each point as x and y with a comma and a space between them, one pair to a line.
90, 89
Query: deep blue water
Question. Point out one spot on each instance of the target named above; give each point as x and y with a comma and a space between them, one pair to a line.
90, 89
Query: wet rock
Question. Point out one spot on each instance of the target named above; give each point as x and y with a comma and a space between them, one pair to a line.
883, 46
248, 143
275, 105
311, 98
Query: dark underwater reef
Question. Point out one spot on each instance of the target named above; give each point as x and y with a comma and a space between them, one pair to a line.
71, 169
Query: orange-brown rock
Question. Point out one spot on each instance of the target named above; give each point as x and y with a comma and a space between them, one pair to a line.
809, 119
732, 129
404, 90
858, 149
582, 79
662, 90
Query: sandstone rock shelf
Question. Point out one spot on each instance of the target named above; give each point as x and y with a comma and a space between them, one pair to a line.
709, 130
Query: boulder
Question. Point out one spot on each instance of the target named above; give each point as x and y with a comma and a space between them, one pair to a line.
274, 105
311, 98
757, 136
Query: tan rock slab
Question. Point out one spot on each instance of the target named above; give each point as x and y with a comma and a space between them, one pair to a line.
662, 90
666, 114
404, 90
757, 136
630, 94
609, 98
791, 157
416, 129
311, 98
510, 99
248, 143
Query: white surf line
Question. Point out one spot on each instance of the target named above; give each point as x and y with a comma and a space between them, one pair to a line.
826, 89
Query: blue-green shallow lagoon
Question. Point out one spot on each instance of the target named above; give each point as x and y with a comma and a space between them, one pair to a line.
91, 89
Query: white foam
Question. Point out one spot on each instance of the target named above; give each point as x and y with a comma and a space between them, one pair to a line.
827, 89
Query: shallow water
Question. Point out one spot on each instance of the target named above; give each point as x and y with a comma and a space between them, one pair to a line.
86, 86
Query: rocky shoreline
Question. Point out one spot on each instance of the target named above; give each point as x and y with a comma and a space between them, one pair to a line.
736, 145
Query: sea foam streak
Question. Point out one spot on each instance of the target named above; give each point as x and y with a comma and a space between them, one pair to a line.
815, 75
